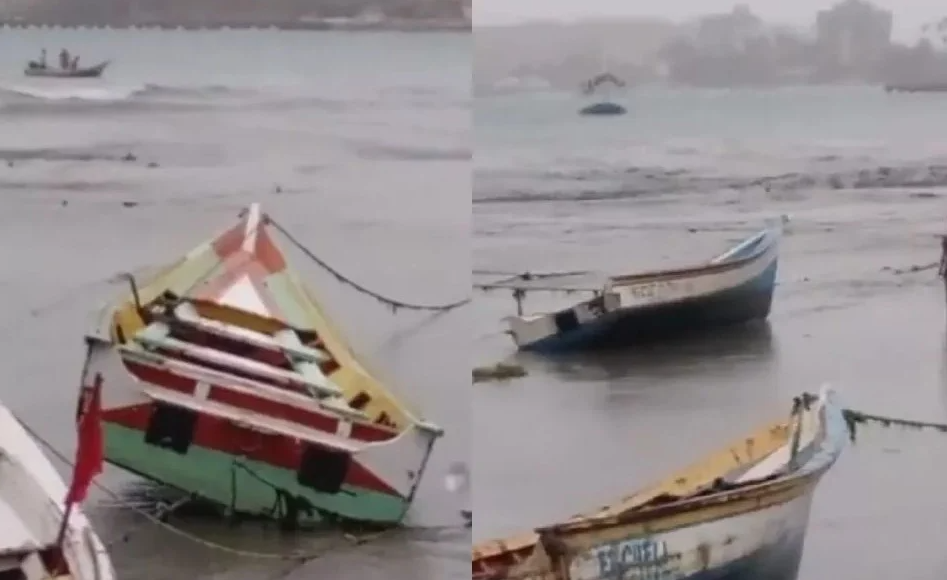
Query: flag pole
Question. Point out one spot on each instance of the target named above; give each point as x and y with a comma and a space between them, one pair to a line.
64, 525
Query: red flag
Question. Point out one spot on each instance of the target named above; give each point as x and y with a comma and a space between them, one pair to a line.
89, 453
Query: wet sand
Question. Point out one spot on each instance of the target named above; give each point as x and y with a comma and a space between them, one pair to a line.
584, 429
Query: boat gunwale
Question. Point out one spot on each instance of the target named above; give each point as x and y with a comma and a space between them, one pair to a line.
701, 269
640, 513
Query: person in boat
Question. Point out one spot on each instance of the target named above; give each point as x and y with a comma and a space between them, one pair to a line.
75, 64
64, 59
41, 63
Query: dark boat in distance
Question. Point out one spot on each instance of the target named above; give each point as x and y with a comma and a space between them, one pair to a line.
606, 106
33, 69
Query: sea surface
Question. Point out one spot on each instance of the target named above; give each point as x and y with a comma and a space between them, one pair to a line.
861, 175
357, 144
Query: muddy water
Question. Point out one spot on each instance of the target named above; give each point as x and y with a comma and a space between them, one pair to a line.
848, 310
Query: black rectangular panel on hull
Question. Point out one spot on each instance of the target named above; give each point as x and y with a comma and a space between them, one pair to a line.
171, 427
323, 470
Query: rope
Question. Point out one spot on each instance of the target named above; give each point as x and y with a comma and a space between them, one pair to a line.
395, 304
855, 418
532, 275
297, 556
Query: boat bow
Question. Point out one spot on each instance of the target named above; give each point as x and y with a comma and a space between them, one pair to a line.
228, 342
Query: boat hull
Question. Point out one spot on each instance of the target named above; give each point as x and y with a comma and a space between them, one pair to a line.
55, 73
735, 288
747, 302
603, 109
766, 543
245, 486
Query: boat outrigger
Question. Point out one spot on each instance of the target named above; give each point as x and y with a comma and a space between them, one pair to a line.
741, 513
732, 288
222, 376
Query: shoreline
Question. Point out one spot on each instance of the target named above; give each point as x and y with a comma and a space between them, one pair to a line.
389, 25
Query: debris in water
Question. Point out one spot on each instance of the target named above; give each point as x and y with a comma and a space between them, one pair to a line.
129, 203
499, 372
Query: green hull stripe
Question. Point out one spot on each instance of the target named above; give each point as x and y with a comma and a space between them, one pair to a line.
210, 473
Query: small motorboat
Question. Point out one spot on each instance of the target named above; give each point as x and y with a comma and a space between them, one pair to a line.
733, 288
41, 539
603, 108
223, 376
35, 70
740, 513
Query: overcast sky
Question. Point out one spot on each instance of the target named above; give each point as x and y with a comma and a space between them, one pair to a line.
909, 14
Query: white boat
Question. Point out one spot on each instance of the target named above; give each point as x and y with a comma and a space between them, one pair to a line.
739, 514
732, 288
32, 508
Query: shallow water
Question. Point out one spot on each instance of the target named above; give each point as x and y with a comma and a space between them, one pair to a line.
675, 182
343, 155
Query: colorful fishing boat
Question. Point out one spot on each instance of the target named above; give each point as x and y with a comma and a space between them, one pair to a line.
223, 376
732, 288
740, 514
37, 540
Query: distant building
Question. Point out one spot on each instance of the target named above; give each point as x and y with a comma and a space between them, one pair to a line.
854, 33
728, 32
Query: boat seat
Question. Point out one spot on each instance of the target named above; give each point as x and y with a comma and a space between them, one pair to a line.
305, 367
196, 372
185, 313
157, 336
256, 421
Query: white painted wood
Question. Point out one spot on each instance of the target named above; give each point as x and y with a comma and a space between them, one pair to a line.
31, 506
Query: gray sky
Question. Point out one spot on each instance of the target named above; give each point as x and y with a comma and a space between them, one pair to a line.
909, 14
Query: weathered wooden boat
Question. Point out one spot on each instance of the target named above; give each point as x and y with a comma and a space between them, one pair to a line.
32, 514
735, 287
224, 377
740, 514
66, 73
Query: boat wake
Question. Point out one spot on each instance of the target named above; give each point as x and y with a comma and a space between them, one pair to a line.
78, 96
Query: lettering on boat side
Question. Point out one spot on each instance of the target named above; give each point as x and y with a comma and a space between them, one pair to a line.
636, 559
650, 290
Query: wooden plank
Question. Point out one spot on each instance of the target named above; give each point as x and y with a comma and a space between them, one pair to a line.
187, 314
152, 338
252, 420
191, 371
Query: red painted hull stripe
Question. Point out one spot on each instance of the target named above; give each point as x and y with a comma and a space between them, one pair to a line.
307, 418
223, 436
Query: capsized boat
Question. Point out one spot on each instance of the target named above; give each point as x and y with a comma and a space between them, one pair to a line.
66, 73
32, 511
741, 513
734, 287
224, 377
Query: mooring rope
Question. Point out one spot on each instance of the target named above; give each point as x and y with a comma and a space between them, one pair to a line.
394, 304
299, 557
854, 418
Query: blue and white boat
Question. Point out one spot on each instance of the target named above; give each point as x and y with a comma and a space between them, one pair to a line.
732, 288
740, 514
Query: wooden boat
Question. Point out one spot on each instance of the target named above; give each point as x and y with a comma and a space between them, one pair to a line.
739, 514
224, 377
32, 511
735, 287
66, 73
